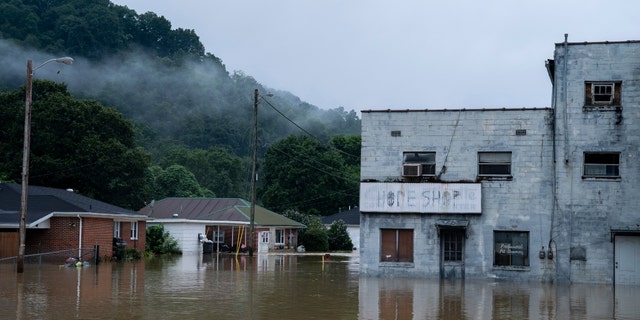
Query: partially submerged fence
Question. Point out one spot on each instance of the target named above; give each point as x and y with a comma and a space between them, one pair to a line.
60, 257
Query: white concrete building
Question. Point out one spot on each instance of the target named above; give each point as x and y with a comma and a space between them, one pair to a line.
545, 194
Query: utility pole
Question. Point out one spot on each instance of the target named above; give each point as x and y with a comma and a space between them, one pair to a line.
25, 169
253, 171
22, 228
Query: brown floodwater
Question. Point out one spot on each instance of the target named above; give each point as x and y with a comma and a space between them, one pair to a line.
287, 287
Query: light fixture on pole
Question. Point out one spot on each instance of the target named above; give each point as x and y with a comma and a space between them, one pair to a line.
25, 156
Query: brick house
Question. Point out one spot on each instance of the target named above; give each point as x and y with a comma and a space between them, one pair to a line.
539, 194
60, 220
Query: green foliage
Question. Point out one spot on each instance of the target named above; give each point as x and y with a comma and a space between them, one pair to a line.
127, 254
175, 181
132, 254
185, 107
315, 237
339, 238
301, 173
160, 241
215, 169
77, 144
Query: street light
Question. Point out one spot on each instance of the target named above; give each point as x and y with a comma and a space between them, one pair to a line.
25, 155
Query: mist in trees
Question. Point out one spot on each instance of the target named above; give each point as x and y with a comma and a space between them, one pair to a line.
181, 106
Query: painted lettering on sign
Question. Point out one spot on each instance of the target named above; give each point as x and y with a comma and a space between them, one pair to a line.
508, 248
421, 197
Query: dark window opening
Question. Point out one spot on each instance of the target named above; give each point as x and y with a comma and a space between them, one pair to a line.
452, 245
494, 163
511, 248
601, 165
426, 161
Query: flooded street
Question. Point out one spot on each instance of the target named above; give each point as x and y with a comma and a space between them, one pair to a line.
288, 287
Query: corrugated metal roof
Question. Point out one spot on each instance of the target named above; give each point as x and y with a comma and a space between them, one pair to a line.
216, 209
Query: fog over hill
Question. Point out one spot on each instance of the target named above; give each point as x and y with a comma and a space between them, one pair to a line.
170, 99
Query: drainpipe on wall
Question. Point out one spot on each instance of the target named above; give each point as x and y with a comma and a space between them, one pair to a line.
565, 98
80, 239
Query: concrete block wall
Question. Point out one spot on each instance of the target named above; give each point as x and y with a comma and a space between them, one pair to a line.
522, 203
589, 208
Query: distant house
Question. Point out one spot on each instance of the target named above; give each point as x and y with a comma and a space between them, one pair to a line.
351, 218
59, 219
224, 221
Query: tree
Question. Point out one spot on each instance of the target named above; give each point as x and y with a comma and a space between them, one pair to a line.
315, 236
339, 238
175, 181
77, 144
304, 174
215, 169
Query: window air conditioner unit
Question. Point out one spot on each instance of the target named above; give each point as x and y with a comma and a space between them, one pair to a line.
412, 170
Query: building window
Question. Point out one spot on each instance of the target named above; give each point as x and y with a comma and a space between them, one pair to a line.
452, 245
511, 249
601, 165
116, 229
134, 230
494, 164
218, 237
417, 164
602, 93
280, 235
396, 245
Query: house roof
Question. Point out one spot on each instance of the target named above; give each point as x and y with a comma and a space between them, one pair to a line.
229, 210
45, 202
350, 217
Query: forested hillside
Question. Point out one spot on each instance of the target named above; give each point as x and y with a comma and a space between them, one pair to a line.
185, 108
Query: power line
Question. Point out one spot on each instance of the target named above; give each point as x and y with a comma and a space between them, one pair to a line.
305, 131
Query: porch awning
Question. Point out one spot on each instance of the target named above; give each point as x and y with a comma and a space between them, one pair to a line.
453, 224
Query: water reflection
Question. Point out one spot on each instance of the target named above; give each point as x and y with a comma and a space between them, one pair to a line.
288, 286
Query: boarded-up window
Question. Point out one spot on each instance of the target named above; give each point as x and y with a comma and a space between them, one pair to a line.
396, 245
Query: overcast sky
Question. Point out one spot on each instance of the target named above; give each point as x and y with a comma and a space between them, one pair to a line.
405, 54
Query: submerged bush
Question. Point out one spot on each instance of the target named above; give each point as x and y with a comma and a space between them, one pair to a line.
160, 241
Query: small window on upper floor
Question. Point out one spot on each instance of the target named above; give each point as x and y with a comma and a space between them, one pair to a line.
601, 165
494, 164
416, 164
600, 93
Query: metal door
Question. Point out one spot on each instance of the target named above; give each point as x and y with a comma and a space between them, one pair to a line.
627, 260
